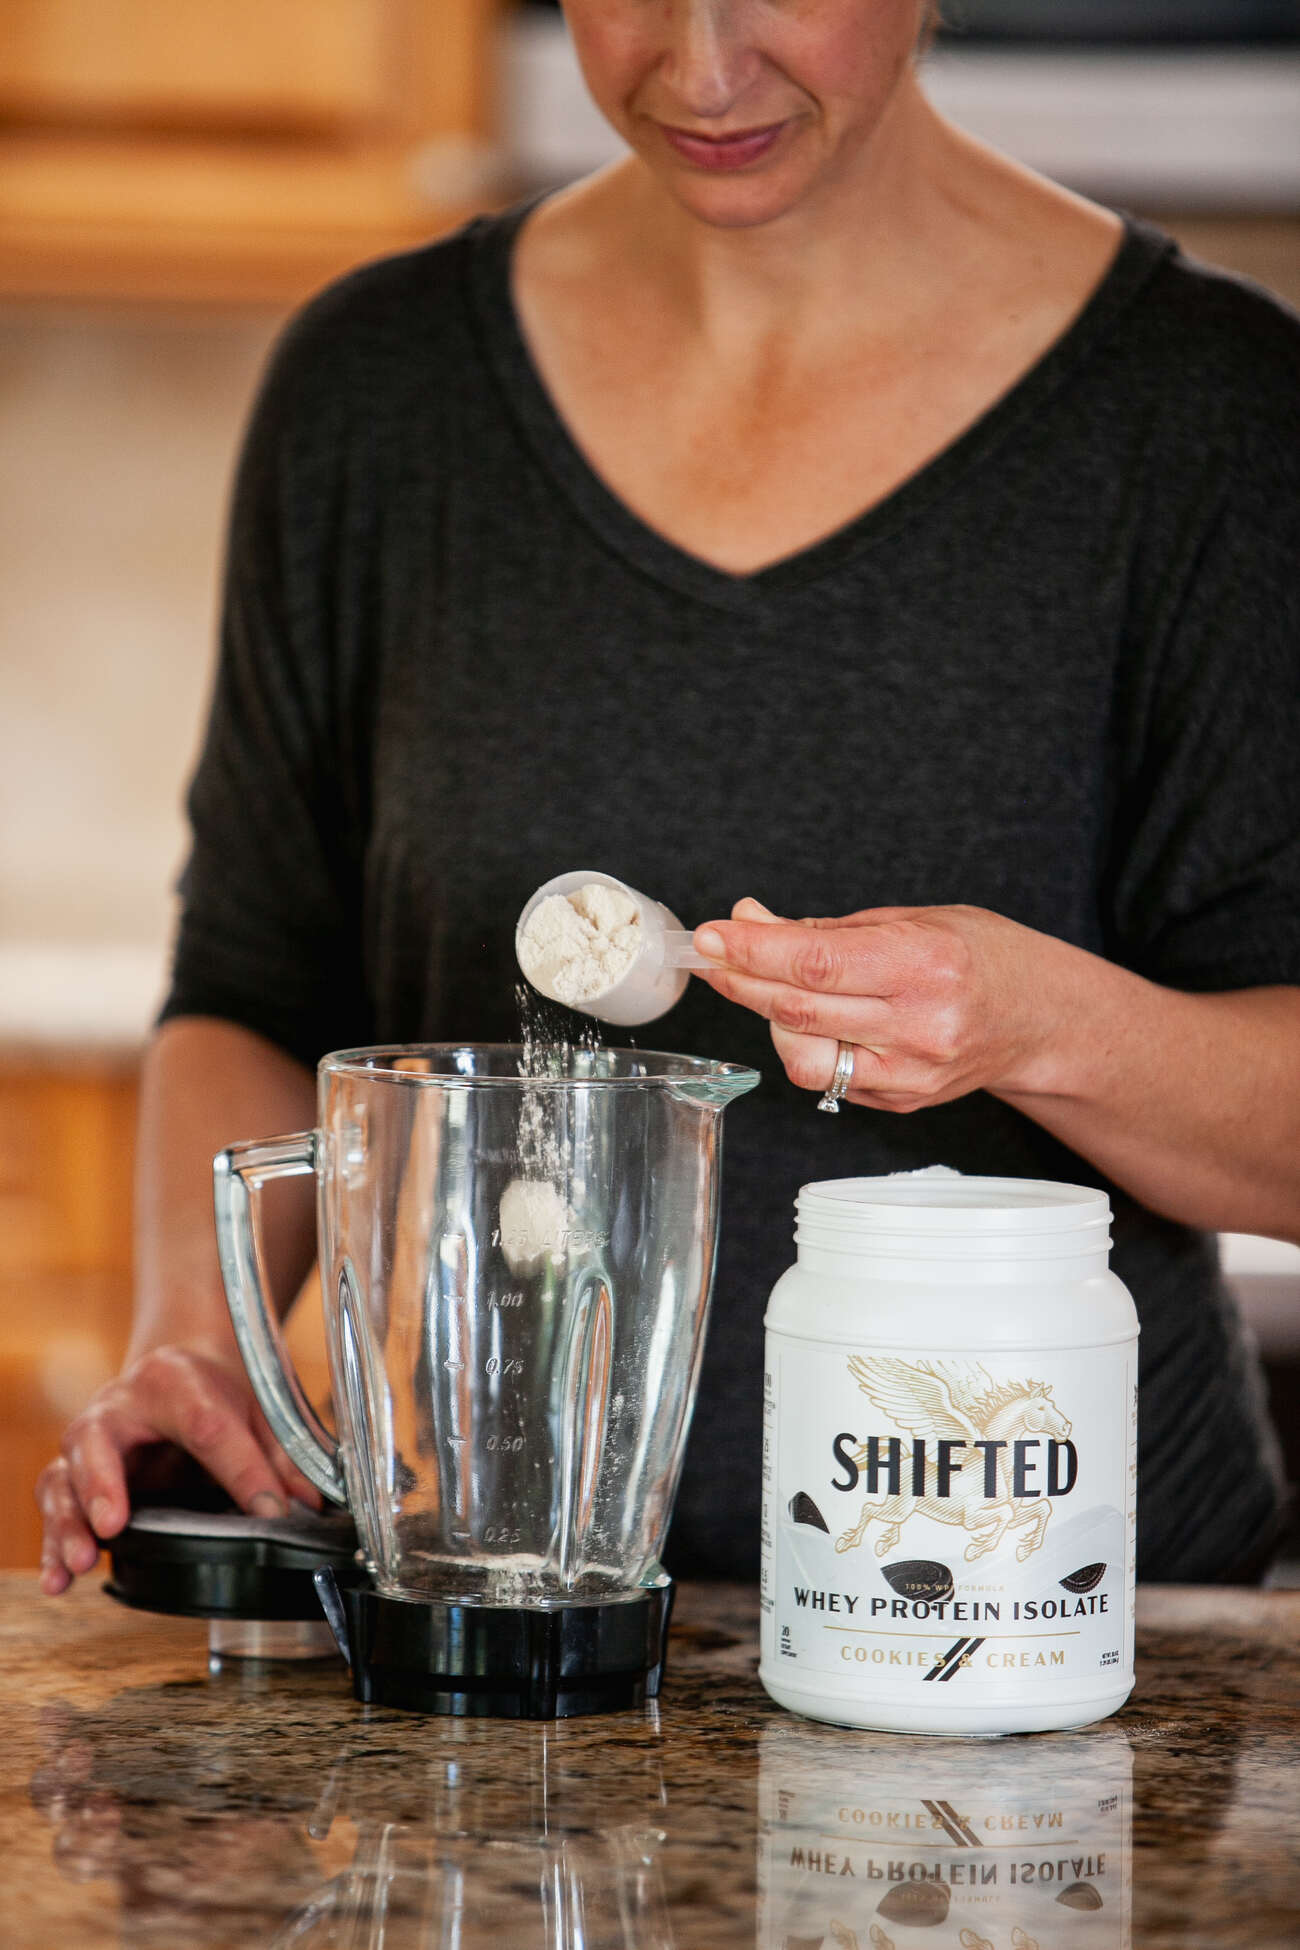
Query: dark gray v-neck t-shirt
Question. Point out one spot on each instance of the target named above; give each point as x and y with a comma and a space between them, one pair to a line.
1054, 674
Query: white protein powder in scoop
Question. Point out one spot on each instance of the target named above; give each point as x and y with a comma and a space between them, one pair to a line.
577, 946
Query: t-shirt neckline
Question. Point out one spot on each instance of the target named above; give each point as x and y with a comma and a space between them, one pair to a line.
1141, 249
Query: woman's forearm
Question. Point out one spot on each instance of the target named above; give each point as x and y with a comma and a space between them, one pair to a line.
1190, 1102
207, 1084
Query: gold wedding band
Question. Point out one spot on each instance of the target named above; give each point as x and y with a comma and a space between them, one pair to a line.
840, 1082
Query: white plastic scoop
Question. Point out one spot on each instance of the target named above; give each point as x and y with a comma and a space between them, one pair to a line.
595, 944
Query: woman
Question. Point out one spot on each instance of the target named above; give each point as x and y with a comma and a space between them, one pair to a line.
816, 503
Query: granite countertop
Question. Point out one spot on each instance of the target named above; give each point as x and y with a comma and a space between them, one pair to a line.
148, 1802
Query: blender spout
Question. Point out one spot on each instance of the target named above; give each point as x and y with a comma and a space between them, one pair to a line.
716, 1086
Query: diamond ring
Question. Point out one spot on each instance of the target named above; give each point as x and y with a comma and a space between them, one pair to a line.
840, 1082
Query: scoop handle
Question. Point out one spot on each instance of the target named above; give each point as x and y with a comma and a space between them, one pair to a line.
678, 952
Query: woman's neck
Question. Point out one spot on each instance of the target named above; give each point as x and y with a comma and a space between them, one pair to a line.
853, 247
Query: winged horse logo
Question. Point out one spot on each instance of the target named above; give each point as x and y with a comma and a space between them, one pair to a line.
941, 1401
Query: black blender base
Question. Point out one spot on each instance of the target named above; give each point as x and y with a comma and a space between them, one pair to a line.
484, 1661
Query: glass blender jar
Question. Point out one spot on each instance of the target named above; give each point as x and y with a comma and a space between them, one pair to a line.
516, 1273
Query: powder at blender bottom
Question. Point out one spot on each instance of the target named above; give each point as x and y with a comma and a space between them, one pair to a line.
577, 946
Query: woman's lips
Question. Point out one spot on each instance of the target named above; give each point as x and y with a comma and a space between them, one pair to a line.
723, 152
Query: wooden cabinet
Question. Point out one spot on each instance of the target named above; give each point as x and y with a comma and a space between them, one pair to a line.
67, 1128
233, 150
65, 1261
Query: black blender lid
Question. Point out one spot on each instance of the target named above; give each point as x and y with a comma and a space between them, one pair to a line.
224, 1564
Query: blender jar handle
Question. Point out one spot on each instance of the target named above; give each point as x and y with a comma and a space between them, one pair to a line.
238, 1174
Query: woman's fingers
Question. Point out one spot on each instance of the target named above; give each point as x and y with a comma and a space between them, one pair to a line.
290, 1477
784, 951
173, 1395
814, 988
805, 1012
170, 1395
809, 1061
881, 1080
97, 1472
68, 1547
748, 909
197, 1404
938, 1001
875, 957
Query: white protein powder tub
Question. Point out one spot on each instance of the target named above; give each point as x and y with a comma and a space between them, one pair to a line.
949, 1458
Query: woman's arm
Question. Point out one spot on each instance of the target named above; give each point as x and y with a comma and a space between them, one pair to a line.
1190, 1102
205, 1085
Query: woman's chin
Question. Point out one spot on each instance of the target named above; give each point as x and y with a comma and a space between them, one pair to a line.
741, 199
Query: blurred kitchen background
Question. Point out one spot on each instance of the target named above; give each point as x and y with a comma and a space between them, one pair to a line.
176, 175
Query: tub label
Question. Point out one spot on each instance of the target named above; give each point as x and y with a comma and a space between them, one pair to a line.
962, 1520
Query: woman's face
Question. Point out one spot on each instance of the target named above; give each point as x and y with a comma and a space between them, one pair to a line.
745, 108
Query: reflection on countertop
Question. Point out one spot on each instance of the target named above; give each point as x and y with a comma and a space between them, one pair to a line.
1026, 1843
148, 1802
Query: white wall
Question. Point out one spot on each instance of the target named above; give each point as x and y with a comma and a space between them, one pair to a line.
117, 435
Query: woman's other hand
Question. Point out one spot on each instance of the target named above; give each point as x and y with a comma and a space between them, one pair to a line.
935, 1001
183, 1396
189, 1401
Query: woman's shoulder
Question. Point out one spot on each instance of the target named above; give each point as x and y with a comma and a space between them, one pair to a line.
402, 294
1168, 326
407, 308
1210, 340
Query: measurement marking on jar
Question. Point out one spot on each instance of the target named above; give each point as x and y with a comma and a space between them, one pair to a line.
502, 1365
504, 1445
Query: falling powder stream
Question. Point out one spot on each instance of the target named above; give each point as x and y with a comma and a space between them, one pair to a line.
536, 1212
